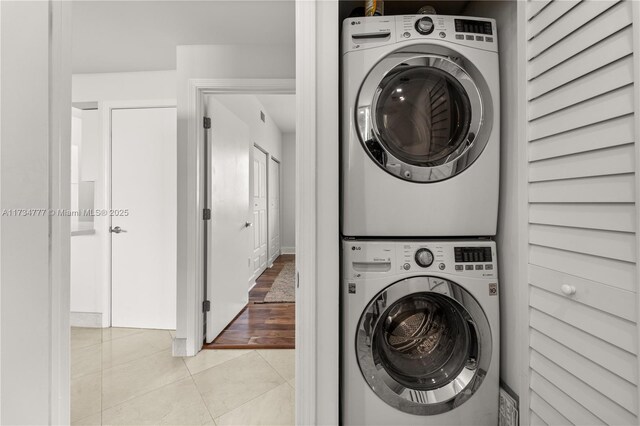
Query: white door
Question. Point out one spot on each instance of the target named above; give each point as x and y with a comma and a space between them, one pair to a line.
259, 212
274, 210
229, 146
143, 199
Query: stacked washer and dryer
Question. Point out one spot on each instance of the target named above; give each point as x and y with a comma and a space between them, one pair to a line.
420, 339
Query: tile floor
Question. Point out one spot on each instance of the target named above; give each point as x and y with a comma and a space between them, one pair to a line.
122, 376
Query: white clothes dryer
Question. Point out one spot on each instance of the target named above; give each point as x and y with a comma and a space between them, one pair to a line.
420, 333
420, 126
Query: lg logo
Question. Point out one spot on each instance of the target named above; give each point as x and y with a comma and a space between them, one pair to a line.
356, 248
355, 22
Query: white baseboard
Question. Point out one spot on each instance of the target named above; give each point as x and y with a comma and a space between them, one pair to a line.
287, 250
86, 319
179, 346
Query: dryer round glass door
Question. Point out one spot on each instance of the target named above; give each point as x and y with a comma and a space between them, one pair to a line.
423, 345
424, 117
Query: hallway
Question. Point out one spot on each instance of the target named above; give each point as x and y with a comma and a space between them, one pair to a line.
262, 325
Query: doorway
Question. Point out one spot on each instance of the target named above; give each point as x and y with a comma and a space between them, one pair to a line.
251, 139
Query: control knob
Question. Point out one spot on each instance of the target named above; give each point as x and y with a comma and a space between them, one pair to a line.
424, 25
424, 257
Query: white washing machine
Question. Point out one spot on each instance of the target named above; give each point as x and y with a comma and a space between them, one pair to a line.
420, 126
420, 333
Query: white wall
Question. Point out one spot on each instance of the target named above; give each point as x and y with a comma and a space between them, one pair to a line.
247, 108
124, 86
213, 62
34, 332
90, 291
288, 194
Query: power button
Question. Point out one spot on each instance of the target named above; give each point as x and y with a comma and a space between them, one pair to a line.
406, 266
442, 266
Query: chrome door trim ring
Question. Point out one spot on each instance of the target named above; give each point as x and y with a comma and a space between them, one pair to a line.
459, 69
396, 394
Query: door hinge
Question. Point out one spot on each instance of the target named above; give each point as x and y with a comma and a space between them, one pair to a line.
206, 214
207, 123
206, 306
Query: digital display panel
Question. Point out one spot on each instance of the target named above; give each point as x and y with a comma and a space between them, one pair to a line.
473, 254
476, 27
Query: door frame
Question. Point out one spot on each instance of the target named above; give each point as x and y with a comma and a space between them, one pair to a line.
105, 109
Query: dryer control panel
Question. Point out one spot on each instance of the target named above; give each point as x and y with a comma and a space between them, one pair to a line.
373, 31
366, 259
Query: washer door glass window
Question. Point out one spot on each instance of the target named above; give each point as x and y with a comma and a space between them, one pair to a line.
424, 345
424, 117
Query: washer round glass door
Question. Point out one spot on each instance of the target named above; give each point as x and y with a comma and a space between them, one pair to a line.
423, 345
423, 117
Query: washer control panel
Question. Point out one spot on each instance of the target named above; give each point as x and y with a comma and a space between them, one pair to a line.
364, 258
372, 31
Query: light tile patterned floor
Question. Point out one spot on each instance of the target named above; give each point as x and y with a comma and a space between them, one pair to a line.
122, 376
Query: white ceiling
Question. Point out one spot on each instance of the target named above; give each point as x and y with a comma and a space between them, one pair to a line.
281, 109
119, 36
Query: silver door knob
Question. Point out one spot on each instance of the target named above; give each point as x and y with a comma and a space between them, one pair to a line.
247, 224
116, 230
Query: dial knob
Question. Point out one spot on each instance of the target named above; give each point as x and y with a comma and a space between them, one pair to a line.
424, 257
424, 25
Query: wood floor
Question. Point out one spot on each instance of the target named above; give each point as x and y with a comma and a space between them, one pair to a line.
261, 325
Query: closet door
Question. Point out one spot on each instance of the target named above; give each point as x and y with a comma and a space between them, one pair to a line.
582, 125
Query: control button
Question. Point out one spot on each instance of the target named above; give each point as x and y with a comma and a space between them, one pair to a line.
488, 267
442, 266
424, 257
468, 267
406, 266
479, 267
469, 37
479, 38
424, 25
459, 37
459, 267
489, 39
406, 34
443, 34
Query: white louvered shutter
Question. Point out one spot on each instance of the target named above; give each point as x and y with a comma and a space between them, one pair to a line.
582, 213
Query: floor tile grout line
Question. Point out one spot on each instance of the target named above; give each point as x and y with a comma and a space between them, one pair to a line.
203, 401
145, 393
224, 362
138, 359
85, 347
157, 389
128, 335
252, 399
257, 396
270, 365
186, 366
115, 365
